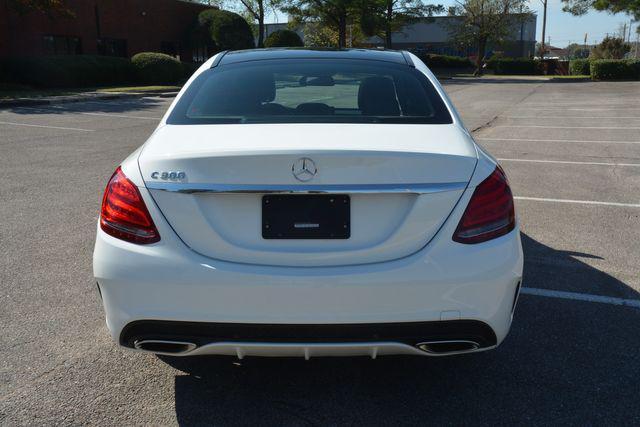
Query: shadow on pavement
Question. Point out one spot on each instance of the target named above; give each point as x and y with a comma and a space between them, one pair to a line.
564, 361
125, 105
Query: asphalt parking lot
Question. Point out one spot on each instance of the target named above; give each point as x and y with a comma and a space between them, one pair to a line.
572, 154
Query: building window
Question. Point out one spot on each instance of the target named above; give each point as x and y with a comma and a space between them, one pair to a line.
62, 45
199, 53
112, 47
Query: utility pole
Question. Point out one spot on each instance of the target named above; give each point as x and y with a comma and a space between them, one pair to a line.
624, 33
544, 26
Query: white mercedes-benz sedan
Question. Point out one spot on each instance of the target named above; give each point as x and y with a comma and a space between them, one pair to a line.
309, 203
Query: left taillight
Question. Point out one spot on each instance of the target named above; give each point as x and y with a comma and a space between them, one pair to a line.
490, 213
124, 214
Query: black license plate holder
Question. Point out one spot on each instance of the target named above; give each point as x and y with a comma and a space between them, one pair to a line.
306, 216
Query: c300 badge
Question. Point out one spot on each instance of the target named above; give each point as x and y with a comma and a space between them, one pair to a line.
169, 175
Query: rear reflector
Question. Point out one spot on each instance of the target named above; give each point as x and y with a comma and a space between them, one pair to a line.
490, 211
124, 214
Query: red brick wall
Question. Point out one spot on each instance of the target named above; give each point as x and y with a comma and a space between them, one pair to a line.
145, 24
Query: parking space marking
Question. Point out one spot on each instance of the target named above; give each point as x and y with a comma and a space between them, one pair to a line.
67, 110
557, 140
567, 162
581, 297
577, 109
567, 127
120, 116
47, 127
581, 202
571, 117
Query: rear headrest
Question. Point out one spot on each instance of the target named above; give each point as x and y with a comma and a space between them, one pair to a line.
377, 97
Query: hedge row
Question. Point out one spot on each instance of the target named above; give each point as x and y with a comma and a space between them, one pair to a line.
615, 69
59, 71
520, 66
156, 68
444, 61
579, 67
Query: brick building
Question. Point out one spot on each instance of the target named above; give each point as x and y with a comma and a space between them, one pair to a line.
104, 27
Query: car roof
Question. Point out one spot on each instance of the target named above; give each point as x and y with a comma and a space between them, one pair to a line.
236, 56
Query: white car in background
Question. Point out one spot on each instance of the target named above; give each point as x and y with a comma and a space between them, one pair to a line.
309, 203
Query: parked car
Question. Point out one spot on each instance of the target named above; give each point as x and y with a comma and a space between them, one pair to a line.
309, 203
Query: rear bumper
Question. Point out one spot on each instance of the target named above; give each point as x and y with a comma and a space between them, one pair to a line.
445, 281
310, 340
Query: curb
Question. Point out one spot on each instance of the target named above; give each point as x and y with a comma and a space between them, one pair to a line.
580, 80
27, 102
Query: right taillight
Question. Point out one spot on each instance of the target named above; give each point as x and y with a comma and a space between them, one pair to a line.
124, 214
490, 211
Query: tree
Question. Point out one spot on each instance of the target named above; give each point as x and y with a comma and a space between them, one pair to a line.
384, 17
482, 21
580, 7
576, 50
610, 48
256, 10
336, 14
228, 30
283, 38
49, 7
318, 35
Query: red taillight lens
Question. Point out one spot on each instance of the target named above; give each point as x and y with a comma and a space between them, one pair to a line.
124, 214
490, 212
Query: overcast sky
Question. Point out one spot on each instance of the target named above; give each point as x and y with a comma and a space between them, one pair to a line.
562, 27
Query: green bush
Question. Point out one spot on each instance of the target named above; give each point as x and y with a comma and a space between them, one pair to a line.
283, 38
157, 68
69, 71
615, 69
228, 30
445, 61
520, 66
579, 67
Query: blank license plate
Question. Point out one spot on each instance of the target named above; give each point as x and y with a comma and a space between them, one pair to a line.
306, 217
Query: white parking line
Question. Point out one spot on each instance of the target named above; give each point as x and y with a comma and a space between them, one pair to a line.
566, 162
581, 202
557, 140
581, 297
566, 127
572, 117
55, 108
577, 109
120, 116
47, 127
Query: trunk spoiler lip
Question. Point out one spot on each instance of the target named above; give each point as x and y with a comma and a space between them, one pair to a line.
400, 188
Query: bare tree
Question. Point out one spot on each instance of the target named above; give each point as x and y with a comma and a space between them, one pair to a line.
482, 21
256, 9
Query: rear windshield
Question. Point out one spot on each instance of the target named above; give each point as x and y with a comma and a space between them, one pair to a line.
311, 91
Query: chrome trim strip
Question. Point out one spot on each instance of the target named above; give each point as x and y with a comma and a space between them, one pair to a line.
190, 188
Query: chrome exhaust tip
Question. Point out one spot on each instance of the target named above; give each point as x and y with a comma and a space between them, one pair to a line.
164, 346
448, 347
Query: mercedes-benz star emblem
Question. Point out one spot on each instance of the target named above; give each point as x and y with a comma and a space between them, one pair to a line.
304, 169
